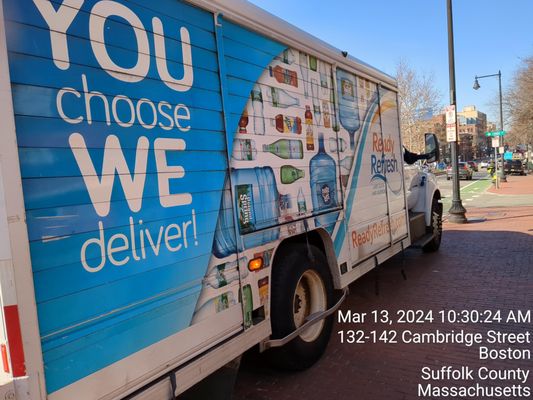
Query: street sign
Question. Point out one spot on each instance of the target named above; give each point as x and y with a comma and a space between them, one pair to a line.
496, 141
495, 133
451, 128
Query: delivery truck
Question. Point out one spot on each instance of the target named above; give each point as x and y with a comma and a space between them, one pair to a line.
181, 181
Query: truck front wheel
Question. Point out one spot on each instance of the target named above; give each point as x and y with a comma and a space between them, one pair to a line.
301, 286
436, 226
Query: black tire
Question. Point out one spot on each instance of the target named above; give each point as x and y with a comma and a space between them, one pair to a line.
448, 178
296, 267
435, 227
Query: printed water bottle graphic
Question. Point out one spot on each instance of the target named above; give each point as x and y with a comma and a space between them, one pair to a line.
256, 204
213, 306
305, 73
348, 106
281, 98
225, 273
286, 149
337, 145
257, 104
244, 149
323, 186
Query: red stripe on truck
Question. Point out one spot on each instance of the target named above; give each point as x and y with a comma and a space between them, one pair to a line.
14, 338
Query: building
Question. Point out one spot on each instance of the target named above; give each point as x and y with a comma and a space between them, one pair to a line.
472, 126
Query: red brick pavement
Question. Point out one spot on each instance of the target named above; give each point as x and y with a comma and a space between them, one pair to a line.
483, 265
515, 185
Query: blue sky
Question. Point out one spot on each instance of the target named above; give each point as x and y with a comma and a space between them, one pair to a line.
490, 35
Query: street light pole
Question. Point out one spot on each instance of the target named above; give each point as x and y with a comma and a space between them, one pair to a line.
457, 211
500, 174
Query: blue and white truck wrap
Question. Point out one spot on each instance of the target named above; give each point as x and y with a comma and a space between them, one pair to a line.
161, 147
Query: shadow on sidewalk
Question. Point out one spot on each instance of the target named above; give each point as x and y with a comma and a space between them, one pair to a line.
474, 270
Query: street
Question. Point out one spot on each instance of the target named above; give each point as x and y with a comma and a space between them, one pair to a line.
482, 267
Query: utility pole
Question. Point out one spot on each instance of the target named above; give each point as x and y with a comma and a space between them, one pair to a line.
457, 211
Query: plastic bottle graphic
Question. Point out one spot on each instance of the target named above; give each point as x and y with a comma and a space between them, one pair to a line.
323, 75
244, 149
312, 63
284, 75
287, 56
323, 185
335, 125
325, 109
348, 106
223, 274
286, 149
337, 145
345, 168
281, 98
248, 305
257, 104
262, 285
257, 206
213, 306
302, 206
305, 73
285, 204
309, 135
243, 122
290, 174
316, 101
288, 124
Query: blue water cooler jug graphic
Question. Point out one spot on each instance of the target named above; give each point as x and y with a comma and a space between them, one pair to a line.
348, 105
323, 186
256, 204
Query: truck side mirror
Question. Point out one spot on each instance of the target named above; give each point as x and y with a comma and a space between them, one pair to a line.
432, 147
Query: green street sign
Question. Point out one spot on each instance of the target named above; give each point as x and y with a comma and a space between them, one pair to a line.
496, 133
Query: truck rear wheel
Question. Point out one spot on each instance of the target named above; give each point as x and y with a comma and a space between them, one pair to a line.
435, 227
301, 286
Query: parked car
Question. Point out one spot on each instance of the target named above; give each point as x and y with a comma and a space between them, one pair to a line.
483, 164
473, 165
514, 167
465, 171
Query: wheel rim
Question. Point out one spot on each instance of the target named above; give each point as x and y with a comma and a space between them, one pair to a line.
309, 297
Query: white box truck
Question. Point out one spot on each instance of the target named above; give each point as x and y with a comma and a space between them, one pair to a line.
181, 181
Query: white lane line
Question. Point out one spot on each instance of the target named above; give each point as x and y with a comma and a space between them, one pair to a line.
476, 195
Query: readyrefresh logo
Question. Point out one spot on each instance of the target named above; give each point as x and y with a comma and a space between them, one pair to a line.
376, 230
383, 160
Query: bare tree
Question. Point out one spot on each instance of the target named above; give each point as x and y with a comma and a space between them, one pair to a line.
418, 98
519, 104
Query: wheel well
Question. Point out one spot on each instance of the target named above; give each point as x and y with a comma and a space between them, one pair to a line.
318, 238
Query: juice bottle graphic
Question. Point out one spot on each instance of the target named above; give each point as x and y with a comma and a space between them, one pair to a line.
290, 174
257, 104
262, 285
288, 124
243, 122
309, 135
256, 204
323, 186
284, 75
348, 105
244, 149
325, 109
285, 148
281, 98
305, 73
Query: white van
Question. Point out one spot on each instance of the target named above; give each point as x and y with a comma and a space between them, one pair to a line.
181, 181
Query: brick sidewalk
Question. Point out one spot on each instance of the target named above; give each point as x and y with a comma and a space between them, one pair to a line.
483, 265
515, 185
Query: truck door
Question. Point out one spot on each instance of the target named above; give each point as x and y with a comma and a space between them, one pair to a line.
393, 156
366, 186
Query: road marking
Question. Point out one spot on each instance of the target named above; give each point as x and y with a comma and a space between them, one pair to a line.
476, 195
469, 200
